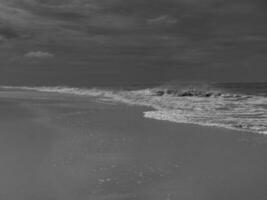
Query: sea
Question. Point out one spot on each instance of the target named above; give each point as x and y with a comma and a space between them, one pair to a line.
239, 106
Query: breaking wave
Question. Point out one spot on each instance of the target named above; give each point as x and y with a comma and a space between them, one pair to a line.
203, 105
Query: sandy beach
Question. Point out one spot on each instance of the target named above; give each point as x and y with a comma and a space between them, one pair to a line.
63, 147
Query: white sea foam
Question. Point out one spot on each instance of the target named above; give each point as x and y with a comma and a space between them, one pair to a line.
208, 108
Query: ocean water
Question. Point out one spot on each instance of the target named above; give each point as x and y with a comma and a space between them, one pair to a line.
240, 106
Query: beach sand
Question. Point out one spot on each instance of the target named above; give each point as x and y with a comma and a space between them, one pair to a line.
62, 147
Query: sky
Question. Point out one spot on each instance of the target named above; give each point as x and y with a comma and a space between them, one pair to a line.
87, 42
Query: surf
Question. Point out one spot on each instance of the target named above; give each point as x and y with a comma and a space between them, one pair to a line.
205, 105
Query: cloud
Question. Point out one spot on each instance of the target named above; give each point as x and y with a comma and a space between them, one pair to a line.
38, 54
162, 20
8, 32
112, 21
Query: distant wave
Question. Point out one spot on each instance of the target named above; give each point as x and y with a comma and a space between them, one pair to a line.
202, 105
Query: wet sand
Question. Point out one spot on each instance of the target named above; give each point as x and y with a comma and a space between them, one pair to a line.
56, 147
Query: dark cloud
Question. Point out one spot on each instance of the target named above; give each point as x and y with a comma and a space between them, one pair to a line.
194, 33
8, 32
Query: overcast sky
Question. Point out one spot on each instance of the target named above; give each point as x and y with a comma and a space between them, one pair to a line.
222, 40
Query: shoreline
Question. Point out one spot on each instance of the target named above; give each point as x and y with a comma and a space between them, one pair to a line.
69, 147
188, 110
